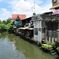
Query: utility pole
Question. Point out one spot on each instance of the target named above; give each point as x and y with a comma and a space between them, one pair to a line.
34, 9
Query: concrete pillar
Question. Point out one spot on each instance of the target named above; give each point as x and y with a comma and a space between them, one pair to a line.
37, 21
49, 39
52, 39
55, 39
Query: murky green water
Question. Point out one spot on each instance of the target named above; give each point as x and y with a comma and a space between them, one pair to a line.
13, 47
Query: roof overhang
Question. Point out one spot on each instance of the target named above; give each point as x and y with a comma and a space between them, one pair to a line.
55, 7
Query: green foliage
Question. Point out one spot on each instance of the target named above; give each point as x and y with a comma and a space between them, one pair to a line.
46, 46
4, 22
57, 49
49, 46
2, 26
8, 21
6, 25
52, 44
49, 43
9, 25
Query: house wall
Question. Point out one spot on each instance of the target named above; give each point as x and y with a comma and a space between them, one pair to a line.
51, 30
43, 31
50, 34
55, 2
37, 22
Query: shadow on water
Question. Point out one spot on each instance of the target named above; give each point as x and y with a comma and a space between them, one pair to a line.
21, 48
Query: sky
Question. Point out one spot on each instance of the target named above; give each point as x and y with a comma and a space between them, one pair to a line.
9, 7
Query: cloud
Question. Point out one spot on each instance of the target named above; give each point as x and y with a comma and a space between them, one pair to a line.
26, 7
4, 13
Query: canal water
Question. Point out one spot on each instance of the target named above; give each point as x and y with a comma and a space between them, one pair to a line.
13, 47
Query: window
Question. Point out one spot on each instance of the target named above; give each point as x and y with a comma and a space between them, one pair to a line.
36, 31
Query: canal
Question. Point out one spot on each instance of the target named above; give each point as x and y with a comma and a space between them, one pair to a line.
13, 47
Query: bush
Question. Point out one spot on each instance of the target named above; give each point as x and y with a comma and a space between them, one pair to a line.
52, 44
46, 47
2, 26
9, 25
57, 49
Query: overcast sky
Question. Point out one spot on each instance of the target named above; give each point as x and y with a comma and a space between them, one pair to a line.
9, 7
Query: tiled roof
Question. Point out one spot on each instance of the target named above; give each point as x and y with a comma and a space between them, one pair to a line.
21, 16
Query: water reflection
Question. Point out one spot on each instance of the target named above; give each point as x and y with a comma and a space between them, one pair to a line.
8, 49
13, 47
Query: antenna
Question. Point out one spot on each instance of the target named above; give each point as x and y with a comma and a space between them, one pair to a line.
34, 8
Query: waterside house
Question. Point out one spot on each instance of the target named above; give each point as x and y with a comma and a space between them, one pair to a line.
46, 25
